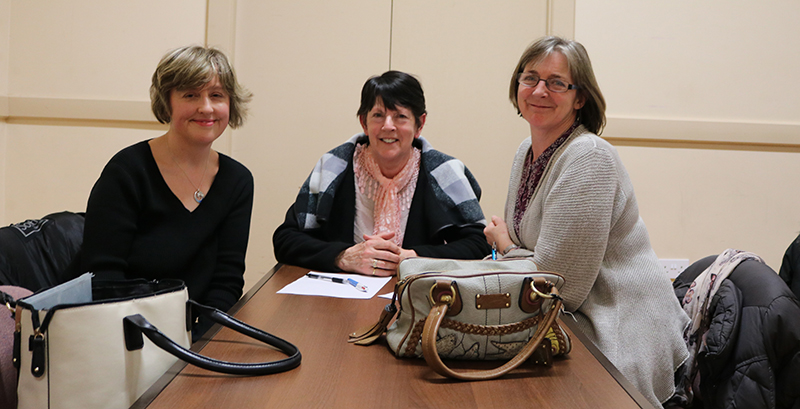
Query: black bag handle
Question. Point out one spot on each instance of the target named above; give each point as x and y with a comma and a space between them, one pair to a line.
8, 301
136, 325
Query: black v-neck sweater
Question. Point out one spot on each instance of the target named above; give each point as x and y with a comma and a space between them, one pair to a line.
137, 228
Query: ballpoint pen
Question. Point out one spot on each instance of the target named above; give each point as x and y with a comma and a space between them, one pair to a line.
494, 251
350, 281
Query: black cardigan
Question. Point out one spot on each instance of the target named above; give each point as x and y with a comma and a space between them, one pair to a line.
430, 231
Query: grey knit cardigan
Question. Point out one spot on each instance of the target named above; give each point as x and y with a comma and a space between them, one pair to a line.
583, 222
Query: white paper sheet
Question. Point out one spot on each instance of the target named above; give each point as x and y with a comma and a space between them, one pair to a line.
309, 286
75, 291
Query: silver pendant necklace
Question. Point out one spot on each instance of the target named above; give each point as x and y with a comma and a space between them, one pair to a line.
198, 195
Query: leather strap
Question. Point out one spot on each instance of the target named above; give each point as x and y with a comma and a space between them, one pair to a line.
431, 355
368, 335
136, 325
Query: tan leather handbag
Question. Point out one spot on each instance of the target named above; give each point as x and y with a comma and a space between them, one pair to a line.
477, 309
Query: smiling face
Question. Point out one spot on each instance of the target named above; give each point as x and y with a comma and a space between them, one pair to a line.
548, 113
199, 116
391, 132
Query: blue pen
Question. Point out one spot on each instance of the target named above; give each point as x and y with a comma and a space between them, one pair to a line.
354, 283
494, 251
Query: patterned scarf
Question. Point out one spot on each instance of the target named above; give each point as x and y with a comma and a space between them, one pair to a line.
391, 196
453, 186
532, 173
697, 302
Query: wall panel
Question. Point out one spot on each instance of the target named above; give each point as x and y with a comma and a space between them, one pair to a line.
5, 23
305, 61
697, 64
698, 202
96, 49
702, 104
78, 79
52, 167
464, 53
5, 33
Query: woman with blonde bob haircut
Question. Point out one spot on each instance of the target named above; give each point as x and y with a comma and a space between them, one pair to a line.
172, 207
571, 208
192, 67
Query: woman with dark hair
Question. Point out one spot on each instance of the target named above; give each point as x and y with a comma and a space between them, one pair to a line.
172, 207
571, 208
384, 195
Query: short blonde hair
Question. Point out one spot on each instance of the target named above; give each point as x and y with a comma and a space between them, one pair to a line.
193, 67
593, 113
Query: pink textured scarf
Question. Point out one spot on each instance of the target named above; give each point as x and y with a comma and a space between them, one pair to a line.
391, 196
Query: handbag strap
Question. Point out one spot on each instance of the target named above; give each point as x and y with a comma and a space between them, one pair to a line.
8, 301
136, 325
431, 355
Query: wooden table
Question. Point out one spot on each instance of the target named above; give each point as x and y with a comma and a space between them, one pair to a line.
336, 374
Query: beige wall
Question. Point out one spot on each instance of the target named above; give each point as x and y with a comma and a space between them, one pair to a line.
74, 79
675, 73
307, 86
5, 23
77, 90
305, 62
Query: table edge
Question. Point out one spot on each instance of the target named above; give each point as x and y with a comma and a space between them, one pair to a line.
156, 388
631, 390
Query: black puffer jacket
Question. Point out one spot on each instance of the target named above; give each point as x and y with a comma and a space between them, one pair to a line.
41, 253
753, 357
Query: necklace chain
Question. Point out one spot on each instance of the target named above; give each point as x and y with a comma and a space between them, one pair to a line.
198, 194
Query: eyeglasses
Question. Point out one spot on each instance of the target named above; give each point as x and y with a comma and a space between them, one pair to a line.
553, 84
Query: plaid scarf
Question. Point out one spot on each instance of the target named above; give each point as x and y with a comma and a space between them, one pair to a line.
453, 184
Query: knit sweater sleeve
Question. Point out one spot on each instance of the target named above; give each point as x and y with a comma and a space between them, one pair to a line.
576, 208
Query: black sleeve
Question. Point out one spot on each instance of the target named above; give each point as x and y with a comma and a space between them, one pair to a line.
227, 281
467, 242
305, 249
110, 225
435, 231
791, 265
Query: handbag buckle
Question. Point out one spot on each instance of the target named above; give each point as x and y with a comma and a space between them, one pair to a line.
443, 292
441, 297
531, 298
536, 293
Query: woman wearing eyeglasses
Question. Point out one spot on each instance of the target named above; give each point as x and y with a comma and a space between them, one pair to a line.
572, 209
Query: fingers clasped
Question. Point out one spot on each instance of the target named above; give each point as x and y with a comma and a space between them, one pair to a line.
376, 256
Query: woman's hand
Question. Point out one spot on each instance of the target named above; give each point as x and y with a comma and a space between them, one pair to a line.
404, 254
375, 256
497, 233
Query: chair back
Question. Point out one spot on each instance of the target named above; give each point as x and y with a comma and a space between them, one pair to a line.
752, 353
